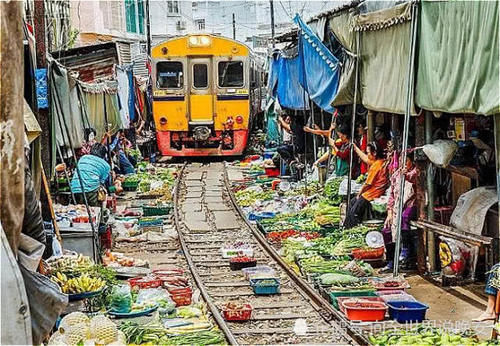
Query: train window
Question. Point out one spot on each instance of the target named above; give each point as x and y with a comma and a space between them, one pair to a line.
230, 74
200, 76
169, 75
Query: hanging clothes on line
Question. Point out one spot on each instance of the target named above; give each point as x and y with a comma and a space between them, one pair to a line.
126, 94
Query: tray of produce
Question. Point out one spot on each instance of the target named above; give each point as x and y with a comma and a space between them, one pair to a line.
237, 312
368, 253
265, 286
181, 296
366, 299
353, 293
389, 283
145, 282
85, 295
258, 272
133, 313
365, 311
395, 295
240, 262
236, 249
80, 287
157, 210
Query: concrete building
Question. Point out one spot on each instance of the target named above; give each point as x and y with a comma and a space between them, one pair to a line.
120, 21
170, 18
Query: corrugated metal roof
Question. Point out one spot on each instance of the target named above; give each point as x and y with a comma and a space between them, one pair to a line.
90, 62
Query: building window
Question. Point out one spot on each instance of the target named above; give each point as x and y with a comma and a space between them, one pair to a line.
130, 15
173, 6
140, 12
169, 75
230, 74
200, 24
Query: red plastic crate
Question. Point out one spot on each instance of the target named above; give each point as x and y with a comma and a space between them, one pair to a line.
182, 299
177, 291
145, 282
368, 253
340, 300
366, 312
243, 314
272, 171
168, 271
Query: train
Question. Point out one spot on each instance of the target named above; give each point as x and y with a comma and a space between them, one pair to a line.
206, 91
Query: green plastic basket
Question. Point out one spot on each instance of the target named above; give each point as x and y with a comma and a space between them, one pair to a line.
156, 211
130, 185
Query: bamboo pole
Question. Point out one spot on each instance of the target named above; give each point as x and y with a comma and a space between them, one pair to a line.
409, 99
51, 206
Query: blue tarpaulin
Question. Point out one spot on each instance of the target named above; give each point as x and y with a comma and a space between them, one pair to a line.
289, 91
41, 88
319, 71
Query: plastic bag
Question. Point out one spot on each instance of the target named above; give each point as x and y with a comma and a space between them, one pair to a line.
457, 258
440, 152
152, 295
121, 299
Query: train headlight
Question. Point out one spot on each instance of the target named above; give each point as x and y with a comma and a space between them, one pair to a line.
163, 121
239, 119
199, 41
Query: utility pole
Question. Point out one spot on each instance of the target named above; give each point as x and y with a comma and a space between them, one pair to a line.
148, 29
234, 28
272, 22
41, 62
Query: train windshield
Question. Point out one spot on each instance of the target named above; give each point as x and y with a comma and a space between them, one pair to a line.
200, 76
230, 74
169, 75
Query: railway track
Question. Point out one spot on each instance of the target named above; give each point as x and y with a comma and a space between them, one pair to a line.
206, 217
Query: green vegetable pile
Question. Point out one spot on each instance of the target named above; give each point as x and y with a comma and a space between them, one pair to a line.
248, 197
427, 336
338, 279
332, 190
154, 333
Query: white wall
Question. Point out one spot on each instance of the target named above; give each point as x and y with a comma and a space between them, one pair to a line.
164, 25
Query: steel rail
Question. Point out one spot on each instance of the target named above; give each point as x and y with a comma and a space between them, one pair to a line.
192, 267
312, 294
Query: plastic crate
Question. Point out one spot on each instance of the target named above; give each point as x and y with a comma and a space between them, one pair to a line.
145, 282
340, 300
181, 296
130, 185
361, 293
272, 171
265, 286
395, 295
157, 229
364, 311
156, 211
238, 315
240, 265
148, 222
368, 253
251, 271
404, 312
230, 252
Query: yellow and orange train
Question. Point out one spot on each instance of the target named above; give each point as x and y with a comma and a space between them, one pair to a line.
206, 90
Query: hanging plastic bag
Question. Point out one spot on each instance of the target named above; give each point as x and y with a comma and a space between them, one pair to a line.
440, 152
121, 299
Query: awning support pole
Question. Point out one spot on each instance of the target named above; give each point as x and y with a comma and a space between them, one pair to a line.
409, 100
431, 249
496, 128
353, 124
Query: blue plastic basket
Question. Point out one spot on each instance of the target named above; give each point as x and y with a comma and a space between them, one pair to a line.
407, 311
260, 288
260, 216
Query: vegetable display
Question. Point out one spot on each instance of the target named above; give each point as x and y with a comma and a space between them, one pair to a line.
332, 190
424, 336
81, 284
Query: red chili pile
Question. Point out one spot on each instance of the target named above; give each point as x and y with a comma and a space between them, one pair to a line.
278, 236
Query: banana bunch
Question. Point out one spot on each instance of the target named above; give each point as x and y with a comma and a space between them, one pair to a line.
81, 284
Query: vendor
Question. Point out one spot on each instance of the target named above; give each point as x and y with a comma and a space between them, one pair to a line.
491, 290
95, 173
120, 146
376, 183
294, 127
89, 140
408, 254
340, 149
362, 143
